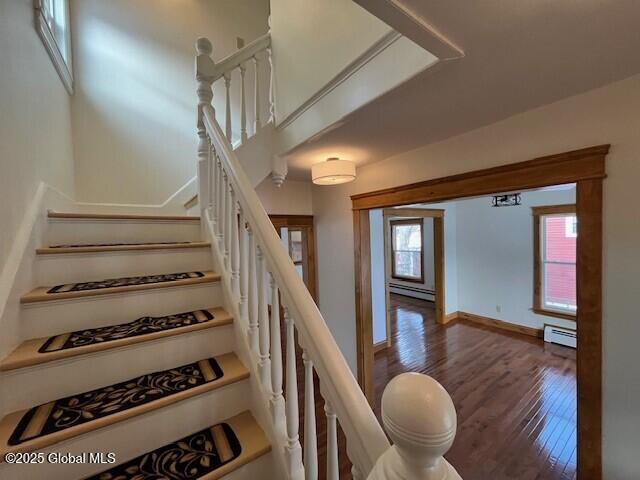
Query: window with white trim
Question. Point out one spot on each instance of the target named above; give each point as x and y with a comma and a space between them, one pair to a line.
53, 25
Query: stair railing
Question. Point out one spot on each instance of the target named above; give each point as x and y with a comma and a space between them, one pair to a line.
255, 58
417, 411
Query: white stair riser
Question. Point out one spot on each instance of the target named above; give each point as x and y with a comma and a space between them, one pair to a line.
83, 267
133, 437
73, 232
52, 318
35, 385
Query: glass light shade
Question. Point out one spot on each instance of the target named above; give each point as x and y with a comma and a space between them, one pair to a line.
333, 172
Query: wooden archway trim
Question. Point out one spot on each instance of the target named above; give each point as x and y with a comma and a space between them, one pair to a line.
586, 168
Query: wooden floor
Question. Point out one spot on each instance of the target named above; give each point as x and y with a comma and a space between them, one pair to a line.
515, 395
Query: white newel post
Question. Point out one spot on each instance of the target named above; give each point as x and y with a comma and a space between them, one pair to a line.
205, 70
293, 448
272, 101
420, 419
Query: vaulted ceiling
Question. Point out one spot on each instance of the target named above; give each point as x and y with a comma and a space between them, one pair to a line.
518, 55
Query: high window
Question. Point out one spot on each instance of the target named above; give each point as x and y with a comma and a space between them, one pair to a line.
53, 25
555, 235
407, 253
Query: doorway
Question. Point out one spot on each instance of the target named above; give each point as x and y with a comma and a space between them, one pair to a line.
585, 168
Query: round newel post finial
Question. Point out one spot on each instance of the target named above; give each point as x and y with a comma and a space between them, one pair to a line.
203, 46
420, 418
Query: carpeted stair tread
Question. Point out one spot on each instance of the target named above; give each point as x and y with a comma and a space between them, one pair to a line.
119, 247
208, 454
48, 349
118, 216
68, 417
118, 285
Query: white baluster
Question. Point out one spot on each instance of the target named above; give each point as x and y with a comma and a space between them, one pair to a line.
272, 107
227, 85
256, 96
252, 311
420, 419
223, 209
263, 323
228, 214
310, 435
212, 178
277, 400
204, 76
243, 106
218, 200
244, 267
293, 448
235, 246
333, 472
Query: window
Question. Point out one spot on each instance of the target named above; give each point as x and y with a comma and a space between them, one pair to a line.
52, 23
407, 254
295, 250
555, 235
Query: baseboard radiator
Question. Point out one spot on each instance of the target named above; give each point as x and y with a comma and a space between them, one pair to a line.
561, 336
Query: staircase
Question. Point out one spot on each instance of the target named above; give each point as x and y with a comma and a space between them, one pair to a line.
131, 352
158, 346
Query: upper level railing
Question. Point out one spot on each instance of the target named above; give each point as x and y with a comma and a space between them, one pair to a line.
255, 58
417, 411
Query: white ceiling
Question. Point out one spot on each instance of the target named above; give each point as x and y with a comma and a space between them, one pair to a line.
519, 54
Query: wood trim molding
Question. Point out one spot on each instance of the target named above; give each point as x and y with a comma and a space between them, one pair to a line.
413, 212
380, 346
280, 221
451, 317
537, 212
372, 52
364, 316
407, 221
553, 209
589, 359
501, 324
551, 313
586, 168
569, 167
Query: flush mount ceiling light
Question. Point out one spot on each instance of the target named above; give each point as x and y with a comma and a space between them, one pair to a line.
333, 172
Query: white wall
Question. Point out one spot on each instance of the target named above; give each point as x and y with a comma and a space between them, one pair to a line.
291, 198
606, 115
495, 258
35, 121
313, 41
135, 105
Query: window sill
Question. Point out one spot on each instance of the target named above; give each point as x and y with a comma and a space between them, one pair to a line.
551, 313
54, 52
408, 279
